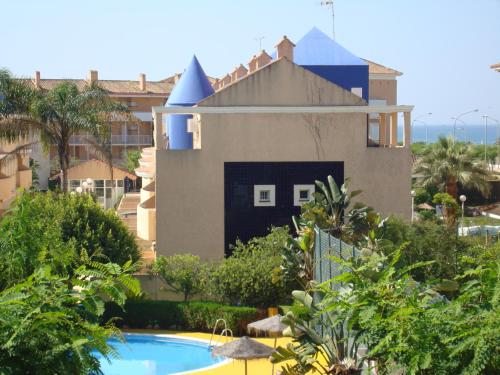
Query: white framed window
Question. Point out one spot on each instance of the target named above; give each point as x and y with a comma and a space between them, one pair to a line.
302, 194
264, 195
357, 91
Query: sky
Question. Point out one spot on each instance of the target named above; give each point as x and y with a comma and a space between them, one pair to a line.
443, 47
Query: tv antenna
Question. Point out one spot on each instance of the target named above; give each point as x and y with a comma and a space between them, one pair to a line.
329, 3
259, 40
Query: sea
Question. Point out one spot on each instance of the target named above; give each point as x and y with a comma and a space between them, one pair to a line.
465, 133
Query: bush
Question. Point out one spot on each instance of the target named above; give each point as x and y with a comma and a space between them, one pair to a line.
426, 241
48, 328
248, 277
182, 272
199, 316
59, 228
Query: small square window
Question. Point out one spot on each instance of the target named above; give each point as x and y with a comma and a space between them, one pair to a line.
302, 194
264, 195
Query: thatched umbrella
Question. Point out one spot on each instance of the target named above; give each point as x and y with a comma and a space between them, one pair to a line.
425, 206
270, 326
245, 349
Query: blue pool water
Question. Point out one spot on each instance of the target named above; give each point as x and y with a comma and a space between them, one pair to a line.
156, 355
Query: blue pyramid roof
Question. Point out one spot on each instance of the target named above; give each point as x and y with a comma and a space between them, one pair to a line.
317, 48
193, 86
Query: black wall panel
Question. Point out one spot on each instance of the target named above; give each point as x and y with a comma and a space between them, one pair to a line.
242, 220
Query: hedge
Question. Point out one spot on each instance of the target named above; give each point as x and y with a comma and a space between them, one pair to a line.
195, 316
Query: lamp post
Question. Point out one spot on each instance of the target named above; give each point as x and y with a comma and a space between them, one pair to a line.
463, 198
461, 121
413, 194
486, 118
416, 119
426, 130
457, 118
87, 185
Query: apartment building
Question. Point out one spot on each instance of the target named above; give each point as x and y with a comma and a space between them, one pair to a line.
242, 153
15, 172
126, 135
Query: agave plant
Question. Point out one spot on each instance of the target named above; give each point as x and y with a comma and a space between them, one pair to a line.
322, 343
336, 202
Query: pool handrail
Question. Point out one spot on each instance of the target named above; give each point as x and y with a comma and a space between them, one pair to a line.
224, 330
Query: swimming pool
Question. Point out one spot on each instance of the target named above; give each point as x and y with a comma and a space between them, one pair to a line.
144, 354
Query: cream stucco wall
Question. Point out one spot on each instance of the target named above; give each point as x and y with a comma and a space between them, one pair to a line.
384, 89
190, 183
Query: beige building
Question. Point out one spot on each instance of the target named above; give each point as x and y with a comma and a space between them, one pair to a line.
15, 172
126, 135
258, 144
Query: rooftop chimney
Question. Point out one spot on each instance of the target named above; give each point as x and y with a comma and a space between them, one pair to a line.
216, 84
37, 80
252, 64
234, 74
240, 72
226, 80
142, 82
92, 77
263, 59
285, 48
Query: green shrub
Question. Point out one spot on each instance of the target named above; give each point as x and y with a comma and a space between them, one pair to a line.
198, 316
182, 272
57, 228
248, 277
426, 241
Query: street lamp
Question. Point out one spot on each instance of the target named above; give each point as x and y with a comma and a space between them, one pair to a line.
426, 129
87, 185
413, 194
486, 117
463, 198
497, 138
461, 121
417, 119
458, 118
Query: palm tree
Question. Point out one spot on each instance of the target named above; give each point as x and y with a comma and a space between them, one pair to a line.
449, 164
56, 115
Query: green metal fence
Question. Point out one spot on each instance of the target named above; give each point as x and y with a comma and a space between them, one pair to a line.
326, 246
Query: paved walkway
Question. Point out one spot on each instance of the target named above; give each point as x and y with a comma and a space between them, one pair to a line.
127, 211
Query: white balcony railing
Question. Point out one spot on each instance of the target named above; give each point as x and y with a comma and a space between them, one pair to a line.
123, 139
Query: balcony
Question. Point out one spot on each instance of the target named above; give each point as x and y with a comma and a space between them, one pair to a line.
122, 139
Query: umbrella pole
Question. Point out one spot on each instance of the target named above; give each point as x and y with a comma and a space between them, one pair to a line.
272, 368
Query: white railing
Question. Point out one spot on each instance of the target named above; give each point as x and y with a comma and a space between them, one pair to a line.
123, 139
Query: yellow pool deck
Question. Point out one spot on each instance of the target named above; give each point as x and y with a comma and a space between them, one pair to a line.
234, 367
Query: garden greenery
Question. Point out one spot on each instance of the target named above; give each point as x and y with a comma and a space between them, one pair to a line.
49, 323
55, 228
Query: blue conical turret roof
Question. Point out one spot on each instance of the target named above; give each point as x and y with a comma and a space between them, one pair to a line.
317, 48
193, 86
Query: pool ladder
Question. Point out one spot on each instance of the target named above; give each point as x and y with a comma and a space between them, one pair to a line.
225, 331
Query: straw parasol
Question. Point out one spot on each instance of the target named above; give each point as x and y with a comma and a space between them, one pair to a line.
425, 206
270, 326
244, 349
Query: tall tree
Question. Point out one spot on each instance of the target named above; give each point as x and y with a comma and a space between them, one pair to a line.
449, 164
56, 115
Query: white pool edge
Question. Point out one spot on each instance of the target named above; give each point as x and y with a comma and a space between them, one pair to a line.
186, 338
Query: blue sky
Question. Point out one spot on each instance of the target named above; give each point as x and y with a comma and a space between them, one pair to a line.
444, 47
